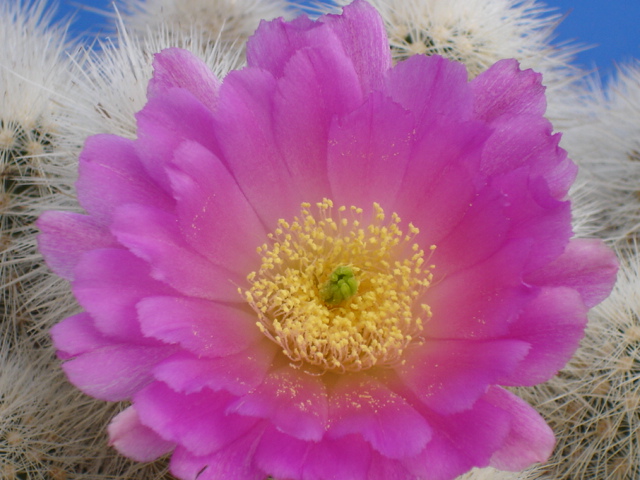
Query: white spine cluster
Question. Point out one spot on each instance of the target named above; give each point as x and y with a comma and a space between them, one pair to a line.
607, 147
227, 21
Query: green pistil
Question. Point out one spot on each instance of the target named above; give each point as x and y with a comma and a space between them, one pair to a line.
341, 286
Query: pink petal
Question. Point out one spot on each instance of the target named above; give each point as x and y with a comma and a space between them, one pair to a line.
303, 110
361, 405
176, 67
197, 421
383, 468
535, 215
237, 374
164, 123
461, 441
504, 89
479, 302
553, 324
434, 89
360, 32
204, 328
364, 39
530, 439
371, 144
519, 140
586, 265
76, 335
114, 372
345, 458
283, 456
296, 403
153, 235
449, 376
110, 174
134, 440
441, 180
108, 284
65, 236
481, 233
233, 461
244, 128
214, 216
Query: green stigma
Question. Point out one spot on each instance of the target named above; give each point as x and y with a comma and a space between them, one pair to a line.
341, 286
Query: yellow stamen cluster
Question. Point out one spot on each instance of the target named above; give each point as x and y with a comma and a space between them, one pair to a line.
377, 267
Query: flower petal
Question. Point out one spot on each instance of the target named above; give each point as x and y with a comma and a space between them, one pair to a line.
114, 372
296, 403
479, 302
165, 122
283, 456
364, 39
553, 324
303, 109
76, 335
530, 439
176, 67
205, 328
450, 375
153, 235
361, 405
197, 421
461, 441
504, 89
359, 29
214, 216
586, 265
245, 130
368, 153
134, 440
434, 89
110, 174
65, 236
233, 461
237, 374
108, 284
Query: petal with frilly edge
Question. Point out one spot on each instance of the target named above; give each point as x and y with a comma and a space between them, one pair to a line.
360, 30
362, 405
114, 372
179, 68
553, 325
589, 266
134, 440
108, 284
529, 440
110, 175
283, 456
233, 461
449, 376
65, 236
196, 421
371, 144
460, 441
214, 216
238, 373
153, 235
296, 403
205, 328
504, 89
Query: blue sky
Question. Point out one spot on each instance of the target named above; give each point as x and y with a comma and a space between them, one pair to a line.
610, 26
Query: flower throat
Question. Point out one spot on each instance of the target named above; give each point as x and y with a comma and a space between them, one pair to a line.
338, 295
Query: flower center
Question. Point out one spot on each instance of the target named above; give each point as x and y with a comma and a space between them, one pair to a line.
339, 296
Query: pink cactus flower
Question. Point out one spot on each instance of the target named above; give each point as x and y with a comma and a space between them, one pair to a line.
326, 267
